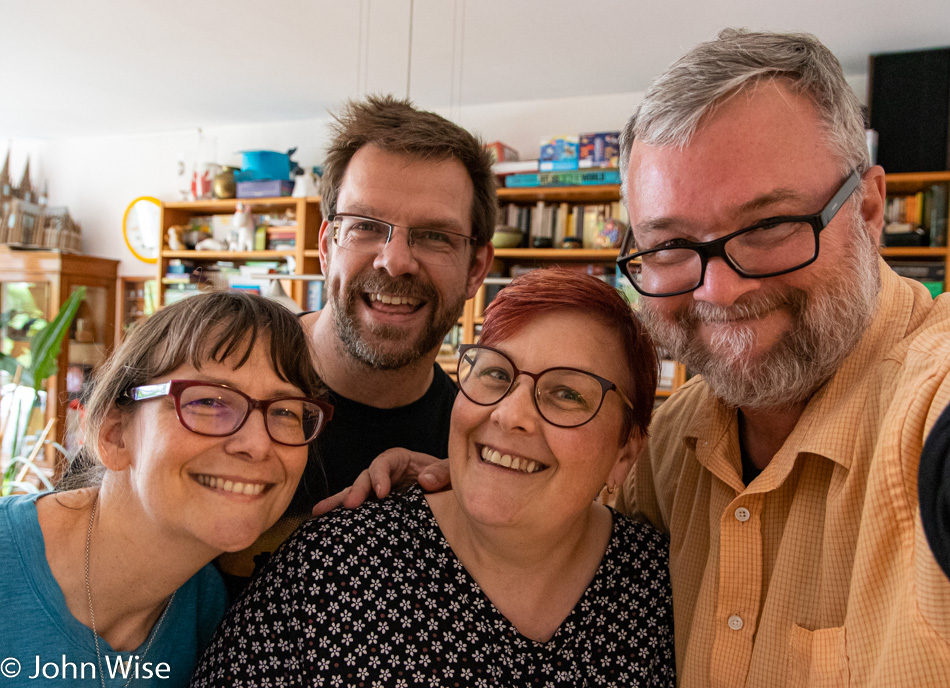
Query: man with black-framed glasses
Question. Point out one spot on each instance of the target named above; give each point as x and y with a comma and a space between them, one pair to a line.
785, 470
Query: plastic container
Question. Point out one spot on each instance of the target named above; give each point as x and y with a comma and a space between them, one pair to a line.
263, 164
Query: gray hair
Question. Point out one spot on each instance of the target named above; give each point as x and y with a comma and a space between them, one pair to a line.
694, 85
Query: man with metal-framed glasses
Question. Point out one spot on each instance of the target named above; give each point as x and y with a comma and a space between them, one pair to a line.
408, 203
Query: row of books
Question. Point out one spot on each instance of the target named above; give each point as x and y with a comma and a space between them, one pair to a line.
918, 219
548, 225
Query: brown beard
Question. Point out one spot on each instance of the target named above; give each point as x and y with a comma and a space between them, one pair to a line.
827, 324
367, 344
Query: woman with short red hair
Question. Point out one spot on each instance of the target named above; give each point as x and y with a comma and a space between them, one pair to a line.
516, 575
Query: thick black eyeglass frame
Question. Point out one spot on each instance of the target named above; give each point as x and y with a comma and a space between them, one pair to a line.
409, 230
717, 247
605, 384
174, 388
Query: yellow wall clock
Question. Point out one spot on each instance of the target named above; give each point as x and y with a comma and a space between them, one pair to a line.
142, 228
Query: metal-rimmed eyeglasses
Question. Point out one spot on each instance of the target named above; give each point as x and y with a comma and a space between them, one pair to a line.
430, 245
772, 247
564, 397
217, 410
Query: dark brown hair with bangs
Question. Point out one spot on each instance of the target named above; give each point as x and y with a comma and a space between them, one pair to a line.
218, 326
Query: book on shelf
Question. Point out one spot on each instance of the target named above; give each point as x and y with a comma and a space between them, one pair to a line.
315, 295
917, 219
570, 178
514, 167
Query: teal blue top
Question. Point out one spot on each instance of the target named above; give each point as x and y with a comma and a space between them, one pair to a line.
43, 644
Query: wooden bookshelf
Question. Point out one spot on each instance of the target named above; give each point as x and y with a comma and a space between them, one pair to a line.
304, 254
910, 183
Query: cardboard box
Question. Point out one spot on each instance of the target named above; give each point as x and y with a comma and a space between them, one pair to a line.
599, 150
558, 154
265, 188
500, 152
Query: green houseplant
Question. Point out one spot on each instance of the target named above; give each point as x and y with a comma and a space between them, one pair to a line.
45, 345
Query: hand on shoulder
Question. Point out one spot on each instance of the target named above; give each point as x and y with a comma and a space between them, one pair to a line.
399, 467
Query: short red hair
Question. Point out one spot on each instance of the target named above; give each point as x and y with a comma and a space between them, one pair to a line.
555, 289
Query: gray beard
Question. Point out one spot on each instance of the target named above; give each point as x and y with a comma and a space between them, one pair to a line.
359, 340
826, 327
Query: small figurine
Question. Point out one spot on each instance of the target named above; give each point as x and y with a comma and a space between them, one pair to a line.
210, 245
243, 226
174, 239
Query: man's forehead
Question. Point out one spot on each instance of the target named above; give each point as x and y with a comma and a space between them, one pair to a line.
757, 151
405, 190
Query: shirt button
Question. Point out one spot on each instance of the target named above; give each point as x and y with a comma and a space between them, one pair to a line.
735, 622
742, 514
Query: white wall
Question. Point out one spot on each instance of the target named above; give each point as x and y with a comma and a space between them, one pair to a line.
98, 177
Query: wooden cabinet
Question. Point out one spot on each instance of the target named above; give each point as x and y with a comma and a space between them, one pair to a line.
303, 257
33, 286
136, 299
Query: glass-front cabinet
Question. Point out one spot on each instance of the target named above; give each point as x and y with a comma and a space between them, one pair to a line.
33, 286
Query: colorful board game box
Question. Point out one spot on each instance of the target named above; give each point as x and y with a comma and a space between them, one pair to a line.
599, 150
558, 154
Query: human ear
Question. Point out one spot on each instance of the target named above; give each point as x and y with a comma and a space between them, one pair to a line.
872, 202
484, 255
113, 445
323, 243
627, 455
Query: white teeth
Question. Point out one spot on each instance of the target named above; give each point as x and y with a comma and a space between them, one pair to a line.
395, 300
231, 486
508, 461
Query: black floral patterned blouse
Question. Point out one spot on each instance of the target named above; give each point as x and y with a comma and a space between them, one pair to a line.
376, 597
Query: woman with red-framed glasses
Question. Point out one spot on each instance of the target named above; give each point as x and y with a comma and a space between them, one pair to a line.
199, 426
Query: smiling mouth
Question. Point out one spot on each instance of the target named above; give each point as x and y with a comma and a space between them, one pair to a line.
390, 299
515, 463
232, 486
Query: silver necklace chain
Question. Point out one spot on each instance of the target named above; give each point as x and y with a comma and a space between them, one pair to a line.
92, 614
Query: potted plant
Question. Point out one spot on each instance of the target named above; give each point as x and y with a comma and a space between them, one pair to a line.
45, 345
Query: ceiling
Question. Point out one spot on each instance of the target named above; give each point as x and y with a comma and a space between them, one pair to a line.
113, 67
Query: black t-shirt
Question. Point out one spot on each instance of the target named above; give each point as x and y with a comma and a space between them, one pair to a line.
359, 433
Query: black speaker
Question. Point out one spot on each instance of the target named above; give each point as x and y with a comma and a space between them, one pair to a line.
909, 102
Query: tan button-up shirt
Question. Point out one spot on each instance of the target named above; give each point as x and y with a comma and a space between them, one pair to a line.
817, 573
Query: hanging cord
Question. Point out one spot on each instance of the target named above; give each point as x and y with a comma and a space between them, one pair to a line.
362, 58
458, 54
412, 4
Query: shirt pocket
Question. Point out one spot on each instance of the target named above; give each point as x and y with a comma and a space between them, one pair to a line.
817, 659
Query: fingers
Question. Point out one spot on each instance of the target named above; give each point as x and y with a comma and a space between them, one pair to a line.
330, 503
359, 491
396, 466
435, 476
